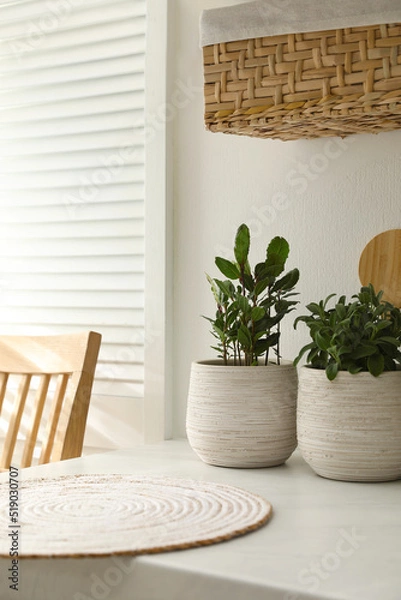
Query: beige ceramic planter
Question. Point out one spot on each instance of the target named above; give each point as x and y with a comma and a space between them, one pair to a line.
242, 417
350, 428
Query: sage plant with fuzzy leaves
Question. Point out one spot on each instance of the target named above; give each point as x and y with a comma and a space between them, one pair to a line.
252, 303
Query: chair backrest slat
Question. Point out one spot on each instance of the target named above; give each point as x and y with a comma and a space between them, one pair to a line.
52, 422
37, 412
57, 418
71, 419
3, 387
15, 420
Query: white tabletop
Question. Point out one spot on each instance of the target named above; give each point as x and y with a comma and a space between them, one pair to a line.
326, 540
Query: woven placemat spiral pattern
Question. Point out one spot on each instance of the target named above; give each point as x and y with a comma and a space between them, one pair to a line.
99, 515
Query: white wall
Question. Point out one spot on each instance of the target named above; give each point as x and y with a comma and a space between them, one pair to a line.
332, 196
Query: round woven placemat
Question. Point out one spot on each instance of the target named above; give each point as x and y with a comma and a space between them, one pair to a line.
99, 515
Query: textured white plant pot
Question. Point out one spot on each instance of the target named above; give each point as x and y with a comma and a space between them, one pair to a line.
242, 417
350, 428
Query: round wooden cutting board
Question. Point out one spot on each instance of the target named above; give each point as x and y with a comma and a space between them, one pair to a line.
380, 265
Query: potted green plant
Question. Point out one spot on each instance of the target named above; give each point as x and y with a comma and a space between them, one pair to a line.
349, 398
241, 409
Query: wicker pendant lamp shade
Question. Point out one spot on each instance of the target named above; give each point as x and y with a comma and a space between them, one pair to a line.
305, 84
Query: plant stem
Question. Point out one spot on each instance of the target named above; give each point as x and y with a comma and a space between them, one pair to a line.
269, 294
242, 276
278, 331
278, 344
225, 352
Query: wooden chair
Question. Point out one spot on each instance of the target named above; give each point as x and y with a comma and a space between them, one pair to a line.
60, 369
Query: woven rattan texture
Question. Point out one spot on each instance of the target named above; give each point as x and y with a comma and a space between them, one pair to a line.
100, 515
327, 83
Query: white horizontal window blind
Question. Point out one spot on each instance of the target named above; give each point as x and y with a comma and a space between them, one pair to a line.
72, 177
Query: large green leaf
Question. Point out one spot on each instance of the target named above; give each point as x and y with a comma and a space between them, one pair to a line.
264, 344
288, 281
389, 340
384, 324
248, 282
331, 371
261, 272
224, 287
364, 350
274, 265
244, 336
219, 332
228, 268
322, 341
283, 306
341, 311
257, 313
242, 243
261, 286
279, 246
244, 305
376, 364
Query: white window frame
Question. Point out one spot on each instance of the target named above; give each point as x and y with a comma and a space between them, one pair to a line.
157, 421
